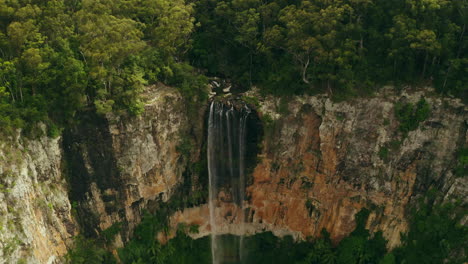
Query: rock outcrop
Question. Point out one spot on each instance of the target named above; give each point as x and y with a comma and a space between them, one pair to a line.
106, 170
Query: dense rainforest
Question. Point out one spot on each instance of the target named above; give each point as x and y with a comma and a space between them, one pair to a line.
61, 56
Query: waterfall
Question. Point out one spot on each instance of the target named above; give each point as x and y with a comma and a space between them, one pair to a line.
226, 169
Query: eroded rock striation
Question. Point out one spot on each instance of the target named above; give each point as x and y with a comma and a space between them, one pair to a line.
324, 161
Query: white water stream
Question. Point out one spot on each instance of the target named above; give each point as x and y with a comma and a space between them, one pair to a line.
226, 169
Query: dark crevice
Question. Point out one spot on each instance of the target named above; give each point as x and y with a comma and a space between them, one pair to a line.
90, 158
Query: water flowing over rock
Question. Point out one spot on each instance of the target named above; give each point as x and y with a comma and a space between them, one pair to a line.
226, 167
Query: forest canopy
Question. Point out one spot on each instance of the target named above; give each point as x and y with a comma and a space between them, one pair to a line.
301, 45
58, 57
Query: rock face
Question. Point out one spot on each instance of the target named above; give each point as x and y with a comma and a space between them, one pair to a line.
107, 169
321, 162
36, 223
120, 165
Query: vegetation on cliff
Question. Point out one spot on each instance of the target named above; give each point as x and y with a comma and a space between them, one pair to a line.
435, 236
60, 56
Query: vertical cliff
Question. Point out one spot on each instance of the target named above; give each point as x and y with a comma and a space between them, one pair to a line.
317, 164
120, 166
322, 161
104, 172
36, 224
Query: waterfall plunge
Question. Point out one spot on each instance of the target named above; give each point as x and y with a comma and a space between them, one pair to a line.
226, 169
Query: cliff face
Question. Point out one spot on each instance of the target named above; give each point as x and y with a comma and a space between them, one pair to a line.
104, 170
121, 166
321, 162
36, 224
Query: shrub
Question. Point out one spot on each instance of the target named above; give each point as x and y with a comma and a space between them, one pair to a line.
87, 251
383, 153
252, 101
410, 116
435, 234
461, 169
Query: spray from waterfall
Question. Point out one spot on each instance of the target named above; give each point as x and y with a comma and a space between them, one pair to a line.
226, 169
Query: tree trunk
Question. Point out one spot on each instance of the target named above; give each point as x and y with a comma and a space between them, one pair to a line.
424, 65
11, 93
361, 43
20, 89
304, 71
21, 93
250, 70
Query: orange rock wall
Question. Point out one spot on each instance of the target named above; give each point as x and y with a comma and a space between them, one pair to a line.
321, 162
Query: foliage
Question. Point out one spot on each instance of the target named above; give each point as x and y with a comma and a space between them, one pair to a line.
436, 234
410, 116
269, 126
192, 85
461, 169
383, 153
108, 235
283, 105
58, 57
252, 101
261, 248
184, 147
87, 251
346, 46
146, 248
53, 131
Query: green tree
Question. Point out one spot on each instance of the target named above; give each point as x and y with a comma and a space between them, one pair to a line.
436, 234
107, 42
295, 38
